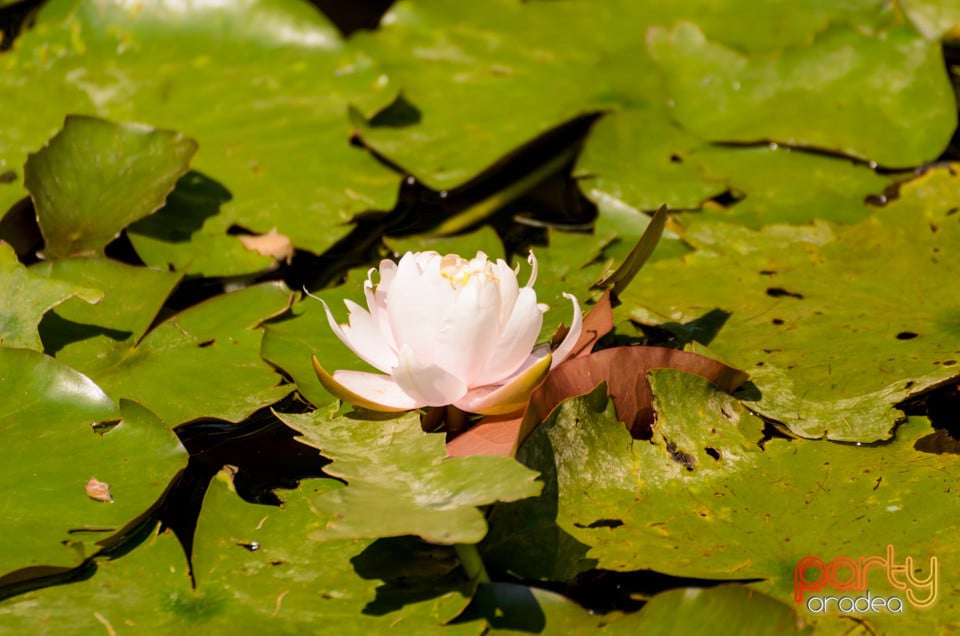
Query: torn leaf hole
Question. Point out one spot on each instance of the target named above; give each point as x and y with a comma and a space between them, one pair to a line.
713, 452
206, 343
907, 335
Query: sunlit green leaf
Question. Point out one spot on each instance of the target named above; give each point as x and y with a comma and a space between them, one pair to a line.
827, 94
261, 85
400, 481
47, 426
25, 297
835, 324
704, 499
94, 178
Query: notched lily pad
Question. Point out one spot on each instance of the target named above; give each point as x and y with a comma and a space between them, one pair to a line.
836, 324
95, 177
400, 481
26, 296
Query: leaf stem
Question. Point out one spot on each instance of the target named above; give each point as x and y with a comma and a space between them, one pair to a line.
472, 563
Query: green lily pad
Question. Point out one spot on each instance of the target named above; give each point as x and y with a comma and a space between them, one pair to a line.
703, 499
478, 93
814, 94
204, 361
94, 178
262, 86
257, 571
48, 427
739, 609
400, 481
25, 297
132, 298
835, 325
173, 237
933, 18
772, 185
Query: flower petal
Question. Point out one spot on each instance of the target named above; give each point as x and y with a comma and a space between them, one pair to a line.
467, 331
376, 296
562, 352
414, 302
509, 288
363, 337
366, 390
516, 340
426, 383
512, 396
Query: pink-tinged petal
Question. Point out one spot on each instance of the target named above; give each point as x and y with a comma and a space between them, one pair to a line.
508, 288
355, 339
377, 301
562, 352
415, 301
516, 340
510, 397
467, 331
366, 339
426, 383
366, 390
387, 270
533, 269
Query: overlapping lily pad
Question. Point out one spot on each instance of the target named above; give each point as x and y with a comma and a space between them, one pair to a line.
803, 95
262, 87
479, 80
50, 520
704, 499
834, 324
204, 361
94, 178
255, 568
400, 481
25, 297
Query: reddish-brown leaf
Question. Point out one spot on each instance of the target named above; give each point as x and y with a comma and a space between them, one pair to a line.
623, 369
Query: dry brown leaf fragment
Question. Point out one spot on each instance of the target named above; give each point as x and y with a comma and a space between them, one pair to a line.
98, 490
273, 244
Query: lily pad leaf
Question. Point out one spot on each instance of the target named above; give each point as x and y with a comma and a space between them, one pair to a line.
94, 178
805, 305
803, 95
279, 145
400, 481
257, 572
26, 296
697, 612
683, 503
204, 361
48, 425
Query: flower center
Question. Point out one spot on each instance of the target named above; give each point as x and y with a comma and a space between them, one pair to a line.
459, 270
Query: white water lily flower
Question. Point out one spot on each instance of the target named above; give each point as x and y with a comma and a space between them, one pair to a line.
445, 330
